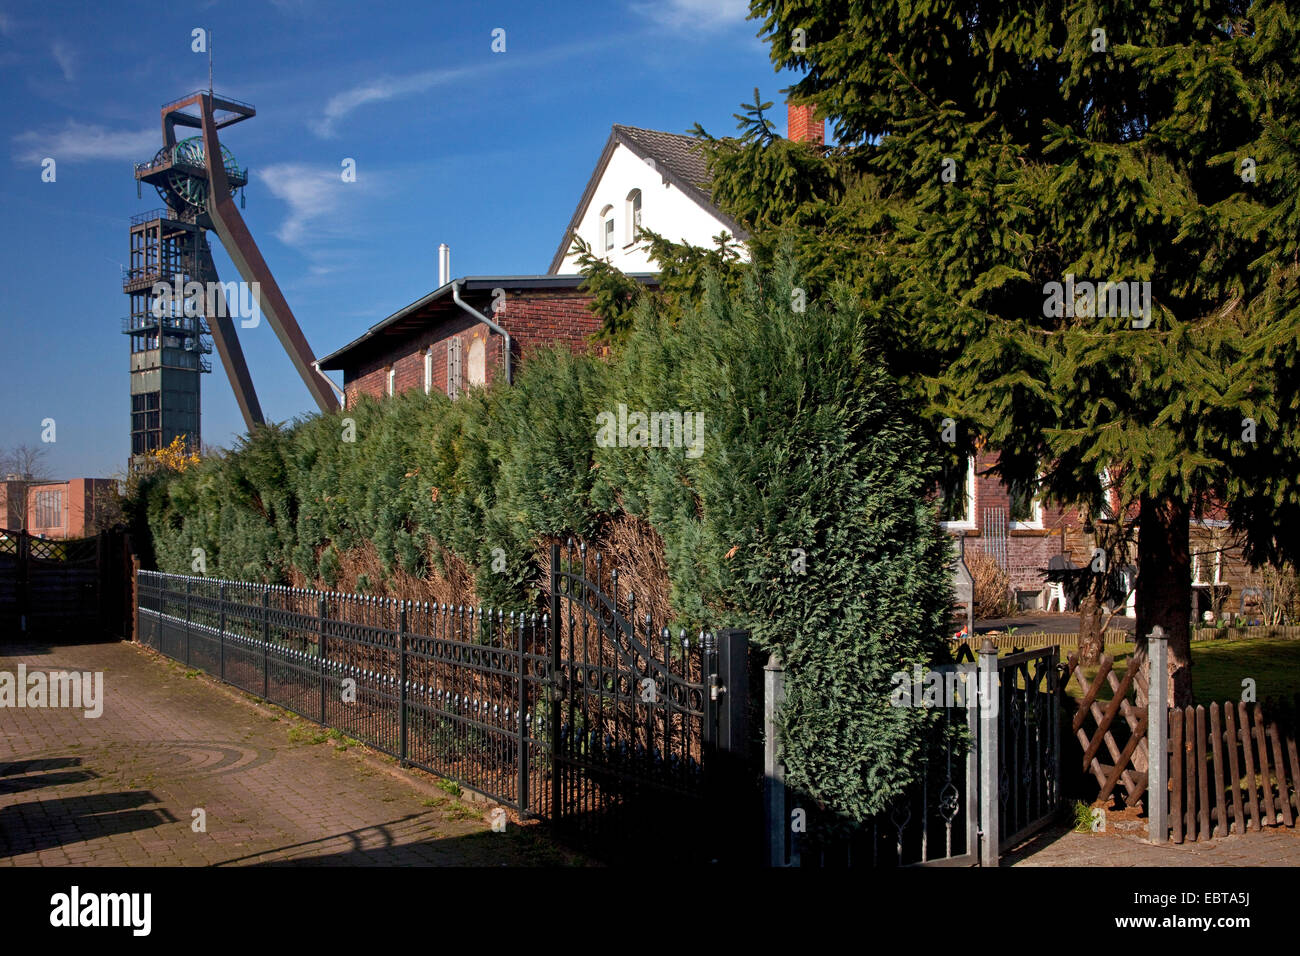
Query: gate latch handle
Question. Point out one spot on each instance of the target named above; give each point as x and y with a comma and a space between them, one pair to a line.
716, 687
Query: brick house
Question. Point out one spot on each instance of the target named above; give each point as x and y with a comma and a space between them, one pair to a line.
1021, 532
55, 509
455, 336
440, 343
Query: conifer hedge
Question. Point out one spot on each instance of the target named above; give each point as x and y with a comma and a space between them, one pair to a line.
803, 515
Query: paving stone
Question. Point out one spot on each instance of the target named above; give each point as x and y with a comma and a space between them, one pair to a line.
121, 788
1277, 846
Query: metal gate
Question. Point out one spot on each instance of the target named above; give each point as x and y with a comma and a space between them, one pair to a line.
1029, 743
637, 714
989, 776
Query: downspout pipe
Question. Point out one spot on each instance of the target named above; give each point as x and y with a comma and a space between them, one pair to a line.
455, 296
343, 397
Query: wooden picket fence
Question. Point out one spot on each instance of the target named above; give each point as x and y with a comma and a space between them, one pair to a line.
1022, 638
1233, 767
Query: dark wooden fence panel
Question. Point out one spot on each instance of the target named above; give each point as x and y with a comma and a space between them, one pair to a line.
73, 589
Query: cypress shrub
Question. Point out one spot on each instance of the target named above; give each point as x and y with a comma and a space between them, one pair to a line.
800, 511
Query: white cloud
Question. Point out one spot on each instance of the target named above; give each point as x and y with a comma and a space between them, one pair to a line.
84, 141
699, 14
392, 87
378, 90
66, 58
312, 193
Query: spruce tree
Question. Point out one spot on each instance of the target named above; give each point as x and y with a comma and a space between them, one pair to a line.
989, 149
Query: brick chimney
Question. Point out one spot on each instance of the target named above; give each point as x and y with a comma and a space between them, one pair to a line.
802, 128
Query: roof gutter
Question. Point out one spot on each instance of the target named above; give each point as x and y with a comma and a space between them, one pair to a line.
455, 296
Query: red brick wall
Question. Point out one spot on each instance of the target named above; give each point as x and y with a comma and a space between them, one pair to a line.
77, 509
407, 359
533, 319
1028, 549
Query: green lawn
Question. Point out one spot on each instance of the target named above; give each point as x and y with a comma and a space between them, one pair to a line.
1218, 668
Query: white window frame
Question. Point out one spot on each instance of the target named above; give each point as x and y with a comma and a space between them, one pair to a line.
1035, 522
606, 231
428, 369
968, 523
1198, 570
391, 378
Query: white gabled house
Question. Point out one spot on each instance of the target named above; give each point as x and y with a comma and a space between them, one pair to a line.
644, 178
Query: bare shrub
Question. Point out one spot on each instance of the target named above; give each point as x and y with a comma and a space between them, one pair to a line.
455, 586
630, 546
992, 587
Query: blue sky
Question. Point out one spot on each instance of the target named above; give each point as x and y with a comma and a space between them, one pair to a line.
488, 152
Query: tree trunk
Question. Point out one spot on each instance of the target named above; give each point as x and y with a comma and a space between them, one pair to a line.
1090, 637
1164, 593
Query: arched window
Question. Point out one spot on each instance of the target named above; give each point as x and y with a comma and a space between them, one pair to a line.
633, 216
477, 371
605, 241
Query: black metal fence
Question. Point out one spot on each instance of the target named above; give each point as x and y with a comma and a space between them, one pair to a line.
991, 765
933, 822
588, 716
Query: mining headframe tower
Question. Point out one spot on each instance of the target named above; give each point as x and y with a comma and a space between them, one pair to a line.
197, 178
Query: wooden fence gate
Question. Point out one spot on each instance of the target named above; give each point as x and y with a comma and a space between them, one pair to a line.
1120, 726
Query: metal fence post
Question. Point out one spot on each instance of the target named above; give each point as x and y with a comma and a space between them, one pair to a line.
778, 827
189, 584
554, 635
221, 627
1158, 736
990, 837
731, 741
24, 577
135, 599
401, 680
266, 642
522, 716
320, 651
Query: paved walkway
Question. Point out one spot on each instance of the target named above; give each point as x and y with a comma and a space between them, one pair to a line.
121, 789
1124, 844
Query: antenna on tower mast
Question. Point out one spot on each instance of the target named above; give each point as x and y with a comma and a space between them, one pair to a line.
209, 64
